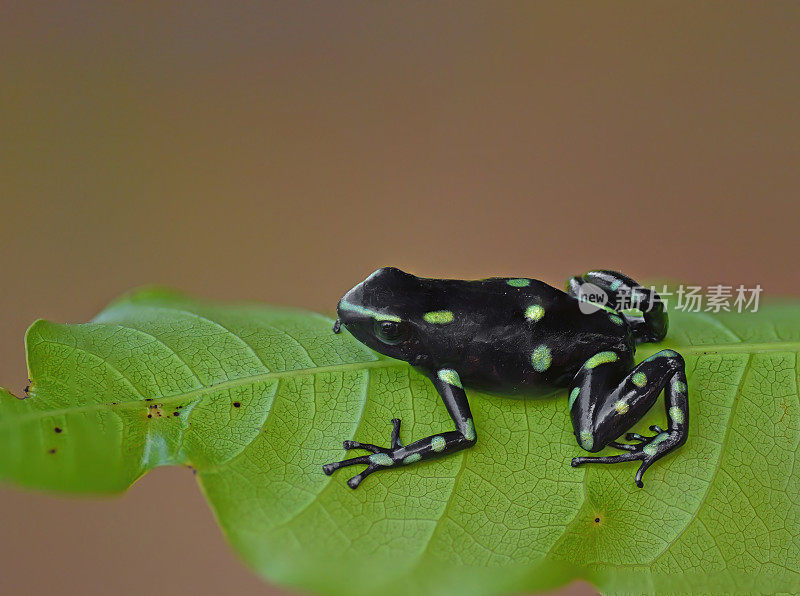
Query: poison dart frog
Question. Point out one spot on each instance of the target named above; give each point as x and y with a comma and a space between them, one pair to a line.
520, 335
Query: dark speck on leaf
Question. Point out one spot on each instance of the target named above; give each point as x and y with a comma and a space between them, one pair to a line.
51, 451
148, 399
149, 415
176, 413
57, 429
597, 520
236, 404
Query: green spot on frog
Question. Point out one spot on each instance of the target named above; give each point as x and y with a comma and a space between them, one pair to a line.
587, 440
534, 312
469, 432
601, 358
662, 354
381, 459
378, 316
541, 358
573, 395
639, 379
439, 317
448, 375
652, 448
438, 443
518, 283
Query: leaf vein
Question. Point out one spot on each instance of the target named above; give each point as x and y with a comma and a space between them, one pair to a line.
220, 325
728, 428
171, 350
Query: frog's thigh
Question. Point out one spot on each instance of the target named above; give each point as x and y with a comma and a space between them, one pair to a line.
606, 398
622, 290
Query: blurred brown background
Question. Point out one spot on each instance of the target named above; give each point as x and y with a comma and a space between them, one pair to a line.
282, 151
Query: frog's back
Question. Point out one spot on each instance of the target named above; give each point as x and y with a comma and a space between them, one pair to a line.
529, 337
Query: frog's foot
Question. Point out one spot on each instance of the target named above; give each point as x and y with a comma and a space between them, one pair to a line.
648, 450
381, 457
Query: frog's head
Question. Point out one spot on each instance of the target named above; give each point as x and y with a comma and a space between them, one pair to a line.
378, 313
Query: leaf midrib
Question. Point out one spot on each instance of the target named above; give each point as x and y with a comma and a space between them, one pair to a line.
199, 392
740, 347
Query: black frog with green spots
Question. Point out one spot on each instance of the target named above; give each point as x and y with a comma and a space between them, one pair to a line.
516, 335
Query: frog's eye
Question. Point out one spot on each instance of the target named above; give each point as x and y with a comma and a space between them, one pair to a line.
391, 332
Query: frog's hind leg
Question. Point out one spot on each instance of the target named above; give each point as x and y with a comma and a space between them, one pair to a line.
651, 325
607, 398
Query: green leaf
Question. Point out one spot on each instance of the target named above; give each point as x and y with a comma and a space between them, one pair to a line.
256, 399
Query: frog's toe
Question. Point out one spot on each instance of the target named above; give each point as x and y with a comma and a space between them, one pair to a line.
356, 480
366, 446
606, 459
637, 437
622, 446
396, 433
630, 455
332, 467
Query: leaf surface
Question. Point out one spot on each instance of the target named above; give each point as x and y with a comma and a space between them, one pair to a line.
256, 399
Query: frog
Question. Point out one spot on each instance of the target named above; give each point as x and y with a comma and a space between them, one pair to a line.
522, 336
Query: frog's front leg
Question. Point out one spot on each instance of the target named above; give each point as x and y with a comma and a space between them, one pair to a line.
448, 384
607, 398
